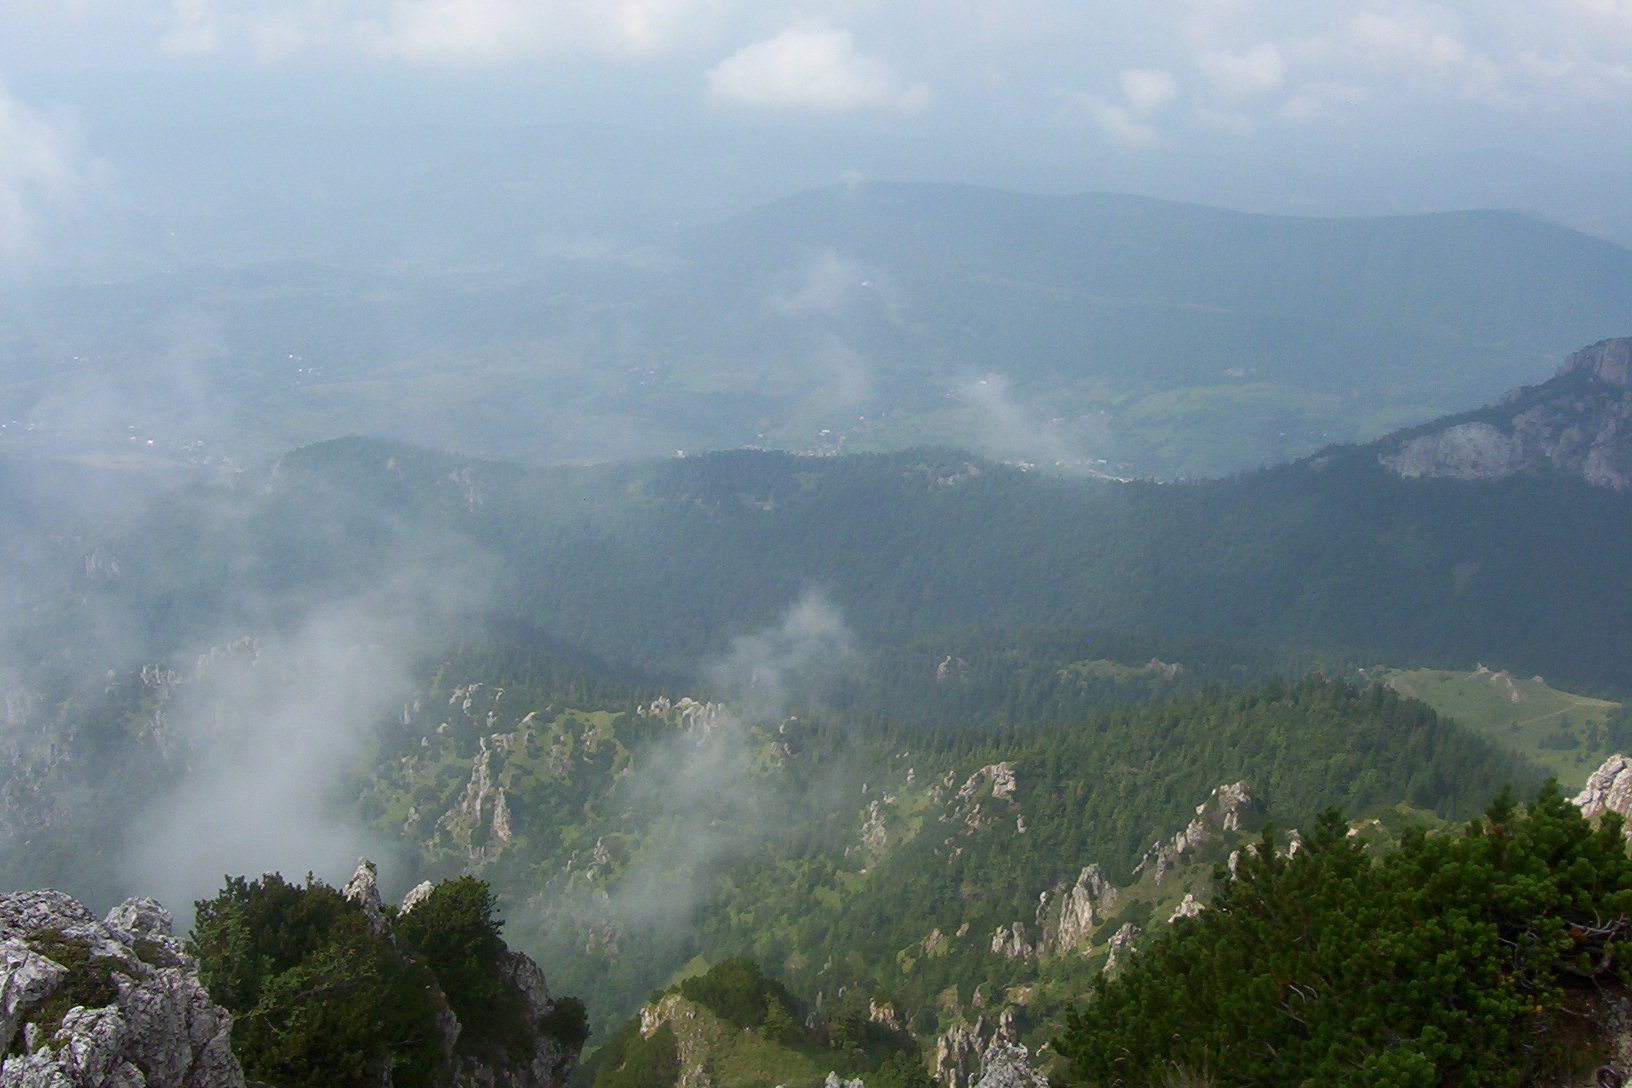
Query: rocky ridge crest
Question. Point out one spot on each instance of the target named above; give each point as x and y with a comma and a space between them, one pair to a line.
1608, 789
548, 1064
1578, 423
115, 1003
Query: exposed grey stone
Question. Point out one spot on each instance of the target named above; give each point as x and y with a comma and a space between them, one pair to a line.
1121, 944
1010, 942
1608, 789
1215, 817
1189, 907
1067, 916
416, 895
161, 1027
1008, 1065
142, 917
960, 1049
1578, 423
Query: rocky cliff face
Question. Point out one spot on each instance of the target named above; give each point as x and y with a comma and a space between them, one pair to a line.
1608, 789
1068, 916
1579, 423
961, 1050
104, 1004
1215, 818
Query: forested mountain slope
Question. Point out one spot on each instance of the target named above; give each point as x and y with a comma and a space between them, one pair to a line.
665, 563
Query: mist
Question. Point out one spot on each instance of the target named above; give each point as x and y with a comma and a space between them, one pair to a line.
1005, 427
273, 730
714, 790
191, 696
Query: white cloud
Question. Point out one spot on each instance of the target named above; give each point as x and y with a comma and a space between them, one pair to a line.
1128, 123
42, 171
1315, 100
812, 68
1232, 122
1246, 74
193, 28
1148, 89
825, 283
432, 32
457, 30
1009, 429
1117, 122
1406, 37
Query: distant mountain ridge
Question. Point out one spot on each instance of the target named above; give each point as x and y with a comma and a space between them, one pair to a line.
1162, 338
1578, 423
1107, 333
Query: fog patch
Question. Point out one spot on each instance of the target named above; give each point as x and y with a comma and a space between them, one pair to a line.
44, 172
272, 728
826, 283
1008, 428
843, 377
711, 792
763, 671
160, 399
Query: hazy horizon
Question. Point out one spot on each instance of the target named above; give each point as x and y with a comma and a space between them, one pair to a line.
196, 131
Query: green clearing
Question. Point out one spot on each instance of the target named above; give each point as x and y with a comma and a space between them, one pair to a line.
1563, 733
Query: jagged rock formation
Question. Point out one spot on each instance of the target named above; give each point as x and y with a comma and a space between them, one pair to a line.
886, 1016
1220, 814
1188, 907
698, 1034
551, 1061
1071, 918
1010, 942
1121, 943
1608, 789
985, 798
1008, 1065
960, 1050
1578, 423
115, 1003
481, 815
1068, 916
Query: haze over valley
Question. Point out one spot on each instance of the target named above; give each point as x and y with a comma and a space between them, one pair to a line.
814, 544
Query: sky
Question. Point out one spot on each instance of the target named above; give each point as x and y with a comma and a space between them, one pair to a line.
1314, 106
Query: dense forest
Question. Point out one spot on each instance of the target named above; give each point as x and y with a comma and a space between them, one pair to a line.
869, 722
1471, 960
665, 563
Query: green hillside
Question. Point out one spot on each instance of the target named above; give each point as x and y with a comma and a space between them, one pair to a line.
1566, 735
1327, 563
636, 833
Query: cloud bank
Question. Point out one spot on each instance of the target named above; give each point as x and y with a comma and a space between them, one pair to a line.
813, 68
43, 174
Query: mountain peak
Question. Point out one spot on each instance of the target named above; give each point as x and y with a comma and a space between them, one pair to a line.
1578, 423
1609, 360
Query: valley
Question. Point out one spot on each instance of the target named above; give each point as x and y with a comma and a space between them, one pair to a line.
1095, 334
914, 731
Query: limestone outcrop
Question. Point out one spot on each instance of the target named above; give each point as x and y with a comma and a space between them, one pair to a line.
104, 1004
1579, 423
546, 1061
1215, 817
1121, 944
1068, 916
960, 1050
1009, 1065
1608, 789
